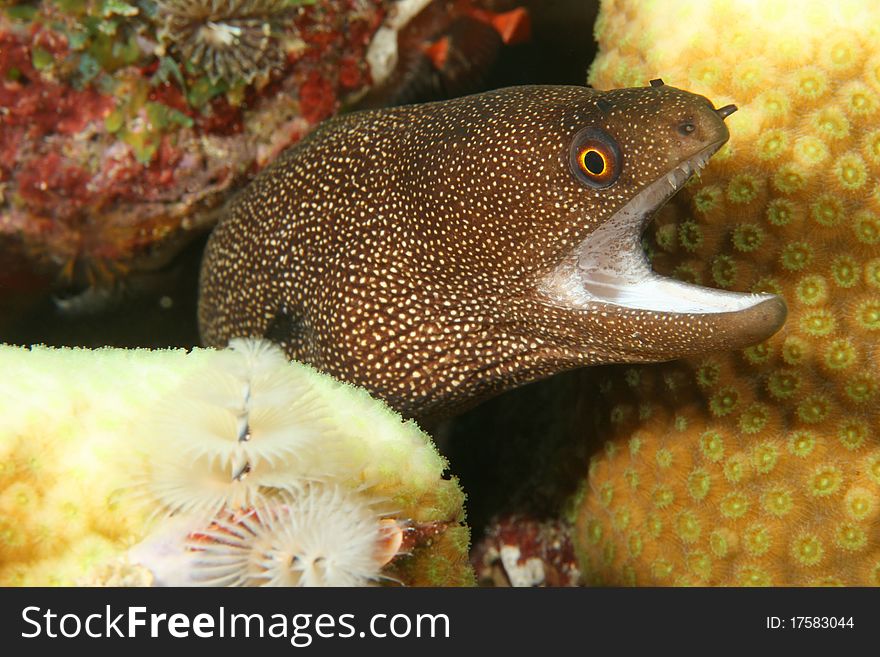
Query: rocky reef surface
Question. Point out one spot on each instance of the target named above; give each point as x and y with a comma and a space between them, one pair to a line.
125, 125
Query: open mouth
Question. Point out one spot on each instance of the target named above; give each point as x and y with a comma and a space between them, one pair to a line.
611, 267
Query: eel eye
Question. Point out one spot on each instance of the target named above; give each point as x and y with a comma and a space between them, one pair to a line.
595, 158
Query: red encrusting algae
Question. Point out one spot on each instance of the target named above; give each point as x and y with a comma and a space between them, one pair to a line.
111, 150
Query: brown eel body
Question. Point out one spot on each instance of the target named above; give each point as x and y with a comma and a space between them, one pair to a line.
439, 254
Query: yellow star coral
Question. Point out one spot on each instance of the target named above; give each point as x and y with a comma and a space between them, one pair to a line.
125, 466
760, 467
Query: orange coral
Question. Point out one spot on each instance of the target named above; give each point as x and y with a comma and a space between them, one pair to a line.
760, 467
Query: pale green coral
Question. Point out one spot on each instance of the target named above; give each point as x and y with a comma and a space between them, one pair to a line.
78, 437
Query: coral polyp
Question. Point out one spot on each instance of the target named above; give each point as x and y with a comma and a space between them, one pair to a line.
229, 40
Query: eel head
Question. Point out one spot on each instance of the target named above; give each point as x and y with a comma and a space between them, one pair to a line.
639, 148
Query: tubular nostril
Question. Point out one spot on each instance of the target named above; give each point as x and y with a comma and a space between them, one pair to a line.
726, 111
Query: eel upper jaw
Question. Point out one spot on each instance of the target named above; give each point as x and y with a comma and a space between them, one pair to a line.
609, 267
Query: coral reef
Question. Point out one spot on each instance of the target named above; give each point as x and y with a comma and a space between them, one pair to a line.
120, 135
208, 468
762, 466
523, 551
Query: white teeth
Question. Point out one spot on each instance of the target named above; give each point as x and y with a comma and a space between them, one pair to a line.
679, 175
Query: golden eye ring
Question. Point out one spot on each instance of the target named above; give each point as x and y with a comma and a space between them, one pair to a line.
593, 162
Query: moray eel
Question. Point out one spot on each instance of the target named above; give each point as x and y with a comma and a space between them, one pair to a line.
439, 254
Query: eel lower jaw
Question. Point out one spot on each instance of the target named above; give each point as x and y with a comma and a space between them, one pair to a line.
609, 272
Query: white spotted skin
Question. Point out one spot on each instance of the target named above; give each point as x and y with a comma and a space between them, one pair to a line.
403, 249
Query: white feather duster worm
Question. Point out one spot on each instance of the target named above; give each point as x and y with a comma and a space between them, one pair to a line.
322, 536
236, 435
